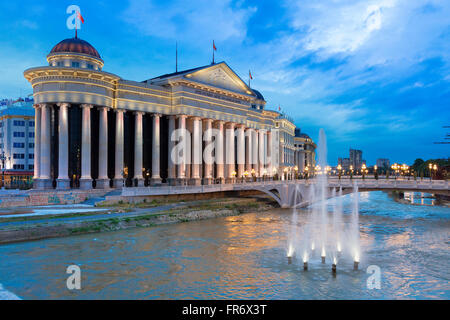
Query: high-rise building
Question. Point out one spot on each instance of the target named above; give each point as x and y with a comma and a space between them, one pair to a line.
383, 163
17, 142
356, 159
344, 163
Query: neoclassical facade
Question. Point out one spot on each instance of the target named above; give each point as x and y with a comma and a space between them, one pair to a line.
304, 152
97, 130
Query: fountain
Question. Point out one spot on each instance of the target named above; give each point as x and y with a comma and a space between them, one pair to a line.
326, 229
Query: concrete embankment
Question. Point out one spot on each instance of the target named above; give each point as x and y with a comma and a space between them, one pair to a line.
123, 215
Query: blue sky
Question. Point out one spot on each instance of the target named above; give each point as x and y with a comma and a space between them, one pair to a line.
375, 74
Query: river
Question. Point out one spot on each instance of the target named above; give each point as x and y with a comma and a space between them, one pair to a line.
239, 257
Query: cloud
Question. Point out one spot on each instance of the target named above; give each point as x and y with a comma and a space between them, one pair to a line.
27, 24
189, 20
371, 69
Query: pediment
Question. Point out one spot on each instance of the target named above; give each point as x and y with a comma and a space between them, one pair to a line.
221, 76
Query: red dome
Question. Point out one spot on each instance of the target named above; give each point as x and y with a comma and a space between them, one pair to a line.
75, 45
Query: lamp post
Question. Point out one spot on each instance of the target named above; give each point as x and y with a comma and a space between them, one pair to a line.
285, 173
435, 167
395, 167
253, 174
405, 169
306, 172
363, 170
233, 174
375, 172
274, 172
3, 158
245, 175
317, 170
339, 167
430, 166
296, 172
351, 172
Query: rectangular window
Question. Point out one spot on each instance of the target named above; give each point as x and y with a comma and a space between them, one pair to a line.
18, 134
19, 145
19, 123
59, 64
75, 64
31, 145
31, 123
18, 166
31, 167
31, 156
18, 156
30, 134
90, 66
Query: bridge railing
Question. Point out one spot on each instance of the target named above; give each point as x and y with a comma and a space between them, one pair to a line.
249, 185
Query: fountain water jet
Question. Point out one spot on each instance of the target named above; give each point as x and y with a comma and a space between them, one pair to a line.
334, 235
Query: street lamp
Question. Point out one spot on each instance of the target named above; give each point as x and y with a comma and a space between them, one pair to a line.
296, 172
245, 174
375, 172
363, 170
3, 158
430, 166
339, 167
306, 172
435, 167
395, 167
233, 174
351, 171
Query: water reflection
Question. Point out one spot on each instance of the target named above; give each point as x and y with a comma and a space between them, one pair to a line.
420, 198
241, 257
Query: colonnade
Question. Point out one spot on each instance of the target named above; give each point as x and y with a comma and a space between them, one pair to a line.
239, 152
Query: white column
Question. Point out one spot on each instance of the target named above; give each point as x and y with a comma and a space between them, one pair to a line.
240, 151
230, 152
138, 151
196, 151
171, 164
44, 178
249, 150
156, 177
269, 154
262, 152
255, 152
219, 152
200, 151
37, 144
86, 178
208, 172
63, 181
103, 181
181, 136
118, 172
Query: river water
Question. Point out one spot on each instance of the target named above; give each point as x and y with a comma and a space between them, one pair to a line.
240, 257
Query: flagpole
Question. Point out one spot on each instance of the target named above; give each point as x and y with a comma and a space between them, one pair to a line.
213, 52
176, 56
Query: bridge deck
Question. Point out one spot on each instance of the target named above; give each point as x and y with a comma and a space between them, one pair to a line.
368, 184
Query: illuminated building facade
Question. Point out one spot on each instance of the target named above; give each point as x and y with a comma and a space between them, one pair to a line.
97, 130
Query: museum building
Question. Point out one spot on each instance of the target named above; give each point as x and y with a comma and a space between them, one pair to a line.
94, 129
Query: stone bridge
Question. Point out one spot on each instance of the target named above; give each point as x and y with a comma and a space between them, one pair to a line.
294, 193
